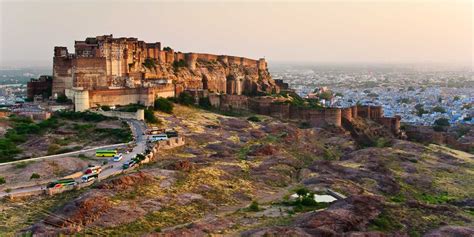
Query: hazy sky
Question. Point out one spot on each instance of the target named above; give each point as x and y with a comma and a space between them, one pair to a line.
323, 31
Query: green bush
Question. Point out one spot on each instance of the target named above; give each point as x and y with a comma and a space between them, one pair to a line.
164, 105
178, 64
304, 125
35, 176
2, 180
86, 116
22, 165
185, 99
439, 109
205, 103
130, 108
382, 142
8, 150
254, 207
441, 125
62, 99
149, 63
105, 107
254, 119
150, 116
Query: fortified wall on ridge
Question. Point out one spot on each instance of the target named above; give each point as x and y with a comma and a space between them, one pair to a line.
136, 71
315, 117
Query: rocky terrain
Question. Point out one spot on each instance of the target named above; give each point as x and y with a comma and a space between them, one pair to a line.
215, 75
236, 177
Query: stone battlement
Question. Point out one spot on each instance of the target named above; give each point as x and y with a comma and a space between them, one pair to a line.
315, 117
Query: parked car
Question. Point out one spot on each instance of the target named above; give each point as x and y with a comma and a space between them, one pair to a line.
128, 164
93, 170
118, 157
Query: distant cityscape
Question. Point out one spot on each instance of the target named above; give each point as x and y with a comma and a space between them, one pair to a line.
419, 96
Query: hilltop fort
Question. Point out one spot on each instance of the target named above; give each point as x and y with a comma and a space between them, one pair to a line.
114, 71
119, 71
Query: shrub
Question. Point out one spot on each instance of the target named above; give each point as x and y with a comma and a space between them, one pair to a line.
21, 165
8, 150
185, 99
178, 64
254, 207
150, 116
205, 103
149, 63
382, 142
105, 107
62, 99
163, 105
254, 119
2, 180
304, 125
439, 109
442, 122
53, 149
35, 176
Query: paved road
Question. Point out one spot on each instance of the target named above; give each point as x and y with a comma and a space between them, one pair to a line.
138, 130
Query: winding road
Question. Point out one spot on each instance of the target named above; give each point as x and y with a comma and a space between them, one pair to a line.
138, 129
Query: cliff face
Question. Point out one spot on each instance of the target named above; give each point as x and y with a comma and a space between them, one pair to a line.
216, 76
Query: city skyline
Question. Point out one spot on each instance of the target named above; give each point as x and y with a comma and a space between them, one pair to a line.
324, 32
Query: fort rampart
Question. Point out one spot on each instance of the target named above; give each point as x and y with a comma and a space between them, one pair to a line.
315, 117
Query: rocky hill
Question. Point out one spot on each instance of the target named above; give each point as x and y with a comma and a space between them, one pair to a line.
216, 76
237, 177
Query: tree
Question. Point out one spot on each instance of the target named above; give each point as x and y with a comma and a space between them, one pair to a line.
327, 95
441, 125
149, 63
150, 116
439, 109
186, 99
205, 103
442, 122
35, 176
62, 99
2, 180
164, 105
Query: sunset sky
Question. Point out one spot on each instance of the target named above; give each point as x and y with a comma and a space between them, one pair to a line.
420, 32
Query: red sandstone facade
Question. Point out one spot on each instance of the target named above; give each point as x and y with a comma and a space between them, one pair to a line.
102, 62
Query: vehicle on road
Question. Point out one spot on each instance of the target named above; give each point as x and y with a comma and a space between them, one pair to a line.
171, 133
118, 157
105, 153
159, 137
89, 177
93, 169
61, 183
128, 164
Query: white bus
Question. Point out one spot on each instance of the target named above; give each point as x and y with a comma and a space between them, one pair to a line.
89, 177
159, 137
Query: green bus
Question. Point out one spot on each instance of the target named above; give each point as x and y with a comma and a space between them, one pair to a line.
105, 153
61, 183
